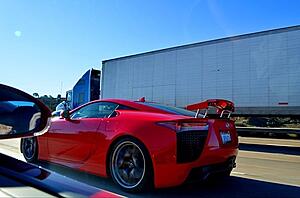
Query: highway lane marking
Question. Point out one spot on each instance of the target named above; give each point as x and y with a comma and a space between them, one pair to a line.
264, 179
270, 141
16, 155
269, 156
238, 173
286, 145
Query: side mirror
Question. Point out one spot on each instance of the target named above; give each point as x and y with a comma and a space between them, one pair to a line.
21, 115
65, 114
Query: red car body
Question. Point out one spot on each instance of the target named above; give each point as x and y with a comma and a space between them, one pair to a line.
85, 144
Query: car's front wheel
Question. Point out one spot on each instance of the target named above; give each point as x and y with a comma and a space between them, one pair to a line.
130, 166
29, 148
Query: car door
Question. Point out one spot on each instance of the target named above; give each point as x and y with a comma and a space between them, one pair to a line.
74, 140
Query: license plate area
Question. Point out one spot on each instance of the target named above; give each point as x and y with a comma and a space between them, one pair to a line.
225, 136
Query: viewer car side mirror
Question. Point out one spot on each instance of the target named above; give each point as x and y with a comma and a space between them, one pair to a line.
21, 115
65, 114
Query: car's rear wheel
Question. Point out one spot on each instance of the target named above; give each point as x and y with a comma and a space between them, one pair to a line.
130, 166
29, 147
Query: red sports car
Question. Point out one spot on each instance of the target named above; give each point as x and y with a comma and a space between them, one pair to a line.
140, 144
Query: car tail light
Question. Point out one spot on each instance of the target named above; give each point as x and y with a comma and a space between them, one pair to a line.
185, 126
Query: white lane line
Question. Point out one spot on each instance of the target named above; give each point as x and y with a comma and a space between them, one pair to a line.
238, 173
286, 145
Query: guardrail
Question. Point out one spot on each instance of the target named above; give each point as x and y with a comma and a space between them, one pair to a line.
268, 130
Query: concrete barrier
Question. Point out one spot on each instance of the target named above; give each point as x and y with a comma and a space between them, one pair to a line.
241, 130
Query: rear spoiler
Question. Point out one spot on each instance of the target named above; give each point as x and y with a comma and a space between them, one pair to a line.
223, 107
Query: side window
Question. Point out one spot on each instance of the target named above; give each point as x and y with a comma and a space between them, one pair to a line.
122, 107
95, 110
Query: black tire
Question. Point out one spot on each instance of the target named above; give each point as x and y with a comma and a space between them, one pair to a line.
130, 158
29, 148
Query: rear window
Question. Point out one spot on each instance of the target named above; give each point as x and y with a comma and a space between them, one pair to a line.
170, 109
122, 107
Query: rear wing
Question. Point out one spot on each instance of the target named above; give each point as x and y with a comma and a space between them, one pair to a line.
224, 107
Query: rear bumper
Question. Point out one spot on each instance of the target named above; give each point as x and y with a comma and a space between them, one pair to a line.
202, 173
172, 173
187, 152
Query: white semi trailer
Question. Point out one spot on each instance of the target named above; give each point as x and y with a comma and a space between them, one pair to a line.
259, 72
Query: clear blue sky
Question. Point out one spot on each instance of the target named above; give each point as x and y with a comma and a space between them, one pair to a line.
46, 43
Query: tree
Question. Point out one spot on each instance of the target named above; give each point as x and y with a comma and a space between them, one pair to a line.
36, 95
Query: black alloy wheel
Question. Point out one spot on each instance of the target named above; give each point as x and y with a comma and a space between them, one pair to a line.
29, 149
130, 166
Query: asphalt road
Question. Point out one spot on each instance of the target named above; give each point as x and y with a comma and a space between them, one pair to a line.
265, 168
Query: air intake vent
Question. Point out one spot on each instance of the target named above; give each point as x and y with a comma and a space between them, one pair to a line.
190, 145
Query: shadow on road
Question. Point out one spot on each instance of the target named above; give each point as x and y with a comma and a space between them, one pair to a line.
287, 150
228, 187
